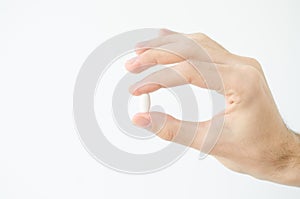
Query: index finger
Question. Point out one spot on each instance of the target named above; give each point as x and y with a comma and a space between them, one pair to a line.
183, 48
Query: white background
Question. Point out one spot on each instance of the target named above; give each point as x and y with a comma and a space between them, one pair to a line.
42, 47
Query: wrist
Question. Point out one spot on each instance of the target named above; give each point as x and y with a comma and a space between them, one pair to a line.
288, 163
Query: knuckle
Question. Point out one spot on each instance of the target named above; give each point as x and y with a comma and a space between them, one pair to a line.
168, 132
198, 36
245, 75
248, 80
201, 35
187, 71
168, 135
251, 74
150, 55
253, 62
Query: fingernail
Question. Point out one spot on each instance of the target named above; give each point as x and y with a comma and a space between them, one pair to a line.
141, 44
132, 60
133, 88
142, 121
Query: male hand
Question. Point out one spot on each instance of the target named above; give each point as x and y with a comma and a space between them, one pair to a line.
253, 138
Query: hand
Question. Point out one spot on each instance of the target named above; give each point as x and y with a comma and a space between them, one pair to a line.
254, 139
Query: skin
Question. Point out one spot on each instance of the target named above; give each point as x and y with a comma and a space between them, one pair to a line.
253, 139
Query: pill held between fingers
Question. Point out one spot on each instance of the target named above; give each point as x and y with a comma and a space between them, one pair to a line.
144, 103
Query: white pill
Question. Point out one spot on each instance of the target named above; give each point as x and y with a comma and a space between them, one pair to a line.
144, 103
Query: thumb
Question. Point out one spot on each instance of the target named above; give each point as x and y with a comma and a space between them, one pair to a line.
171, 129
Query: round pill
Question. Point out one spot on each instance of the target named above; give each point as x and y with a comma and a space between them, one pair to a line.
144, 103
